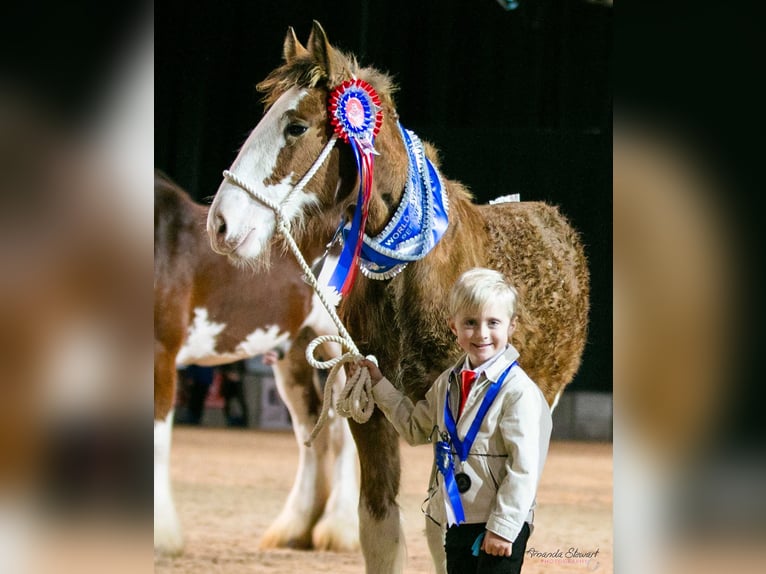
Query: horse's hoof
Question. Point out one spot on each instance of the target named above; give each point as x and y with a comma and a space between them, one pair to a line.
332, 536
278, 538
168, 540
168, 545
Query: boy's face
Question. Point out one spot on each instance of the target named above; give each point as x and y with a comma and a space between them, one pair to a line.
484, 333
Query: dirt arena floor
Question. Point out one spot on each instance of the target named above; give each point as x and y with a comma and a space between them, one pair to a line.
230, 484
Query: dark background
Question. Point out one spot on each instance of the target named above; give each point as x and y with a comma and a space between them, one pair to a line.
517, 101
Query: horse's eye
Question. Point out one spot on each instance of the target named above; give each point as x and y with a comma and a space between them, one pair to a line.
295, 130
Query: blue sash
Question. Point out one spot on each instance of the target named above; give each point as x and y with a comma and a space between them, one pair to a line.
420, 220
416, 227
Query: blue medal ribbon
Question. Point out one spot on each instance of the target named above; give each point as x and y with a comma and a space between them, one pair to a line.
444, 459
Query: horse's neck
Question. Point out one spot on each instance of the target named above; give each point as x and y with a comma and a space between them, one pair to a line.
389, 317
316, 238
464, 245
466, 223
391, 174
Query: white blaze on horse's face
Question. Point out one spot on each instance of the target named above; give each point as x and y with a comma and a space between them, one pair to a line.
238, 224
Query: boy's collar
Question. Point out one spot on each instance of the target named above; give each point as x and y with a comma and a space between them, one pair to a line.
490, 366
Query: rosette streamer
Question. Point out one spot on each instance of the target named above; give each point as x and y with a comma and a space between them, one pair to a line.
446, 466
356, 116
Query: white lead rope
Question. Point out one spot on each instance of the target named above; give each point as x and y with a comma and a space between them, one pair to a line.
355, 399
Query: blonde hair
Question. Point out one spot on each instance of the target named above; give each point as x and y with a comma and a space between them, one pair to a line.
479, 286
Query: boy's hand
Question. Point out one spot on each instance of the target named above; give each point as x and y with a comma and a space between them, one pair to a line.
496, 545
375, 374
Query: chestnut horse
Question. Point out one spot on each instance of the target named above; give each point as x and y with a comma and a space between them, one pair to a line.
209, 312
293, 168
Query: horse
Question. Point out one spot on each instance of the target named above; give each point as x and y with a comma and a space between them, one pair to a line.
298, 174
209, 312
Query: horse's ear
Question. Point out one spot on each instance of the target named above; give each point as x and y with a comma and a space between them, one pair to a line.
324, 54
292, 47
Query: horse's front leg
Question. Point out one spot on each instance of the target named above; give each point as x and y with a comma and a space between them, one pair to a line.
338, 529
167, 529
305, 503
380, 530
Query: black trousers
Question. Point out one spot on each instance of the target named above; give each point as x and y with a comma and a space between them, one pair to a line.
460, 559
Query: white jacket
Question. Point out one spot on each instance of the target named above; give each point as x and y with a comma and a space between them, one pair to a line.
507, 457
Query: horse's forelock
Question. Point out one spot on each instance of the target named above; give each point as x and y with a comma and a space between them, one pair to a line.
304, 72
301, 72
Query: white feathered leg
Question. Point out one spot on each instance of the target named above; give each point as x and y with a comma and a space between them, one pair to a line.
338, 529
167, 529
306, 501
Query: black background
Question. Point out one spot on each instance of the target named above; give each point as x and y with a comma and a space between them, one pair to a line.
517, 101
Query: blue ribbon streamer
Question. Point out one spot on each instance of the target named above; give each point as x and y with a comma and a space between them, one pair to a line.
343, 269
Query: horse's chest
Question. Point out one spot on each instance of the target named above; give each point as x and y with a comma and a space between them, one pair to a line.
214, 342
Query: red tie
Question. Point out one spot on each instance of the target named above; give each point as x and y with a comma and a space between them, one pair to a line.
467, 379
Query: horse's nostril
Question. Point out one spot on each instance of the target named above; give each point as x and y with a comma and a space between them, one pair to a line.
221, 225
217, 229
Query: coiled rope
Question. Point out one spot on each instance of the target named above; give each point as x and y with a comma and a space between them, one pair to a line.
355, 400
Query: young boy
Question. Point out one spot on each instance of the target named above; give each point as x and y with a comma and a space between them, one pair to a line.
491, 425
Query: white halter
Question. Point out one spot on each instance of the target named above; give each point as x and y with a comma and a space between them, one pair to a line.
355, 400
277, 207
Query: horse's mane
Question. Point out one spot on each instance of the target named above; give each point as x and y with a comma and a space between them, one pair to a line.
165, 182
305, 72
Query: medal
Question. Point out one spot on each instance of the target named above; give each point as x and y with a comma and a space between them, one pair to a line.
463, 482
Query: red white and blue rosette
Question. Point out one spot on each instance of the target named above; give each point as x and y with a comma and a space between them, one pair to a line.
356, 116
355, 111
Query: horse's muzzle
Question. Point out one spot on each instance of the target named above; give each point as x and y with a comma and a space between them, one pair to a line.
217, 231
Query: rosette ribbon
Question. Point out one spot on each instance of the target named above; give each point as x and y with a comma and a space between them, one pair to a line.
446, 465
356, 117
